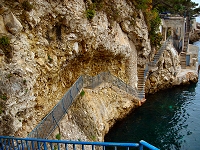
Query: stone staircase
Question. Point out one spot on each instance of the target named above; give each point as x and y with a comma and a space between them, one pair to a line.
143, 72
186, 42
183, 60
185, 46
141, 83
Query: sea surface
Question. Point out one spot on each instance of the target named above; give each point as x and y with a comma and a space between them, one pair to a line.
169, 120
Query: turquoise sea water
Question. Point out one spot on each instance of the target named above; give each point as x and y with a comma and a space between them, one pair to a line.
170, 120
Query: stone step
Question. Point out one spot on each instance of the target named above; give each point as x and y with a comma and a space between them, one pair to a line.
182, 58
141, 95
141, 75
141, 72
140, 86
140, 90
140, 81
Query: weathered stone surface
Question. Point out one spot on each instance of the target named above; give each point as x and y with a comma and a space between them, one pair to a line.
32, 18
2, 9
195, 35
12, 23
2, 26
97, 111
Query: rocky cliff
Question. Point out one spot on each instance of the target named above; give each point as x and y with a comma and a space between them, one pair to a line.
53, 42
195, 35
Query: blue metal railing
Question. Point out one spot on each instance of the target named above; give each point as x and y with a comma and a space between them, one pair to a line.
13, 143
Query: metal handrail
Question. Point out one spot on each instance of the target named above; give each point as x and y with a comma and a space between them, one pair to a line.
160, 51
14, 143
154, 62
51, 121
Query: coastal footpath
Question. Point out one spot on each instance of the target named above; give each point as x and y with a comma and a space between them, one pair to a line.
52, 43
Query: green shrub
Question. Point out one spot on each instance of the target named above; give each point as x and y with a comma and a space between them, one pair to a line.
6, 47
58, 136
155, 35
9, 75
24, 81
4, 40
82, 93
50, 59
93, 138
97, 4
55, 147
90, 14
27, 6
156, 38
3, 97
1, 110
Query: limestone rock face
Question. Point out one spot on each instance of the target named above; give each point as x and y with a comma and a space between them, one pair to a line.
11, 22
98, 110
53, 44
195, 36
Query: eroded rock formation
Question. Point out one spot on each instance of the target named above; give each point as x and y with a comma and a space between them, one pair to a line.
168, 73
53, 43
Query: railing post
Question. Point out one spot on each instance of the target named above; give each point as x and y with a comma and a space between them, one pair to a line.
92, 82
71, 97
45, 146
140, 146
98, 80
63, 106
77, 87
118, 83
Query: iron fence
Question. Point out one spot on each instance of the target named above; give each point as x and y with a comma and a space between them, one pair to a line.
92, 82
51, 121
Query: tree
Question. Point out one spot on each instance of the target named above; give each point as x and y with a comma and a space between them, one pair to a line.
181, 7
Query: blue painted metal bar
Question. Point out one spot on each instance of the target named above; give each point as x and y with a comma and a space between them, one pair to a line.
143, 143
27, 143
17, 143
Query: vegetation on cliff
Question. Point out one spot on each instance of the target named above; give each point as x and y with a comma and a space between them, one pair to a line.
152, 19
181, 7
152, 9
